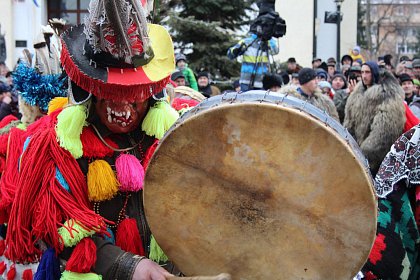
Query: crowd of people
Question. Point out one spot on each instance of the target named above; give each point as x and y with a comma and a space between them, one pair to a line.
77, 134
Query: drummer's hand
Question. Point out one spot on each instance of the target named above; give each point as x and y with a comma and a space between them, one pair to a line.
149, 270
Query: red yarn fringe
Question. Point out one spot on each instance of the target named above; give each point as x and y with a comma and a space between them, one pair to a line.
128, 237
10, 177
149, 154
3, 143
109, 91
93, 146
3, 267
11, 274
2, 247
7, 120
42, 204
27, 275
180, 103
83, 257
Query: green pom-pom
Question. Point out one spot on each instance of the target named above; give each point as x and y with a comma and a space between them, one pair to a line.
156, 253
77, 233
68, 275
70, 123
159, 119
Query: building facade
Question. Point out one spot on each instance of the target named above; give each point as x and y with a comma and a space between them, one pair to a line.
308, 36
394, 26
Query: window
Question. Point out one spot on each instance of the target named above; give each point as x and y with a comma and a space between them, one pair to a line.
73, 11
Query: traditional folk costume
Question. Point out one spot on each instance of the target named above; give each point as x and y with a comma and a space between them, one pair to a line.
396, 252
77, 210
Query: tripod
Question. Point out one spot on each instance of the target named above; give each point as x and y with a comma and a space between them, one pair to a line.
263, 48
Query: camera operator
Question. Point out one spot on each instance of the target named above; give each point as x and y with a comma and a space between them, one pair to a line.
258, 46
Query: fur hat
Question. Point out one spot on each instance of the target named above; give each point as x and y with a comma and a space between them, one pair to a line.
306, 75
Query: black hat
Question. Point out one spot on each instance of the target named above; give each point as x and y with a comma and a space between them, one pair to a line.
291, 60
306, 75
236, 84
342, 77
177, 75
416, 63
285, 77
316, 59
271, 80
321, 73
203, 74
404, 78
346, 56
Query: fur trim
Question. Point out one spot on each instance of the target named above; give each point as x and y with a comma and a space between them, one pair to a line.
29, 113
319, 100
375, 117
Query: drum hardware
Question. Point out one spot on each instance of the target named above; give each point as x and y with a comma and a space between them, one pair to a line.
223, 276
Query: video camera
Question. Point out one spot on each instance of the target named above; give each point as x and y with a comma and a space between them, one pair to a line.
268, 24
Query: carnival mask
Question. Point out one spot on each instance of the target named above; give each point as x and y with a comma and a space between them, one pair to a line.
121, 117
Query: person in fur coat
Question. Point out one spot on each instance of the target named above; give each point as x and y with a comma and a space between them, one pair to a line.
309, 91
375, 114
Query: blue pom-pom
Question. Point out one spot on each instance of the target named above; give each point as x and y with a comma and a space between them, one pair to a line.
49, 267
110, 239
38, 89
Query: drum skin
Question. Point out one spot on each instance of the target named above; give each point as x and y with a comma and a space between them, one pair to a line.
260, 191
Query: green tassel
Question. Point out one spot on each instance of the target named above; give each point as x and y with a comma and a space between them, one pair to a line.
159, 119
156, 253
77, 233
70, 123
68, 275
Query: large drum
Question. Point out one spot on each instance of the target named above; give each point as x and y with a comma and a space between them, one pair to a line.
261, 186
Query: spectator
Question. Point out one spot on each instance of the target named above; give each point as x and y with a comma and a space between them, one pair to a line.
339, 85
272, 82
292, 66
326, 89
316, 62
416, 68
236, 86
3, 69
204, 85
253, 51
181, 65
295, 79
331, 63
9, 102
355, 54
346, 60
411, 99
374, 113
309, 91
321, 75
178, 78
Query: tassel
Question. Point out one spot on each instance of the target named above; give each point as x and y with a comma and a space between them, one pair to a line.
128, 237
69, 128
11, 274
156, 253
150, 152
130, 173
49, 267
159, 119
93, 146
3, 268
72, 233
56, 104
27, 274
2, 247
102, 184
83, 257
68, 275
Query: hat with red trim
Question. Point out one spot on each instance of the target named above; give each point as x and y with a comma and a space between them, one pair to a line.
116, 54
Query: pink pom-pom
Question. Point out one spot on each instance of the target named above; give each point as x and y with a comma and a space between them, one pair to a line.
130, 173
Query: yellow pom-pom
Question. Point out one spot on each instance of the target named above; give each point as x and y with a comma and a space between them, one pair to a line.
101, 181
57, 103
72, 232
70, 123
68, 275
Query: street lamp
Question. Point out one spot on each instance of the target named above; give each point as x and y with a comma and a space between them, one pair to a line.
338, 3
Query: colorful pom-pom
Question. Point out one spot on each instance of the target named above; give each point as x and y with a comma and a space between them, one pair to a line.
3, 267
72, 233
83, 257
11, 274
159, 119
27, 274
49, 267
128, 237
68, 275
56, 104
101, 180
70, 123
111, 237
156, 253
130, 173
